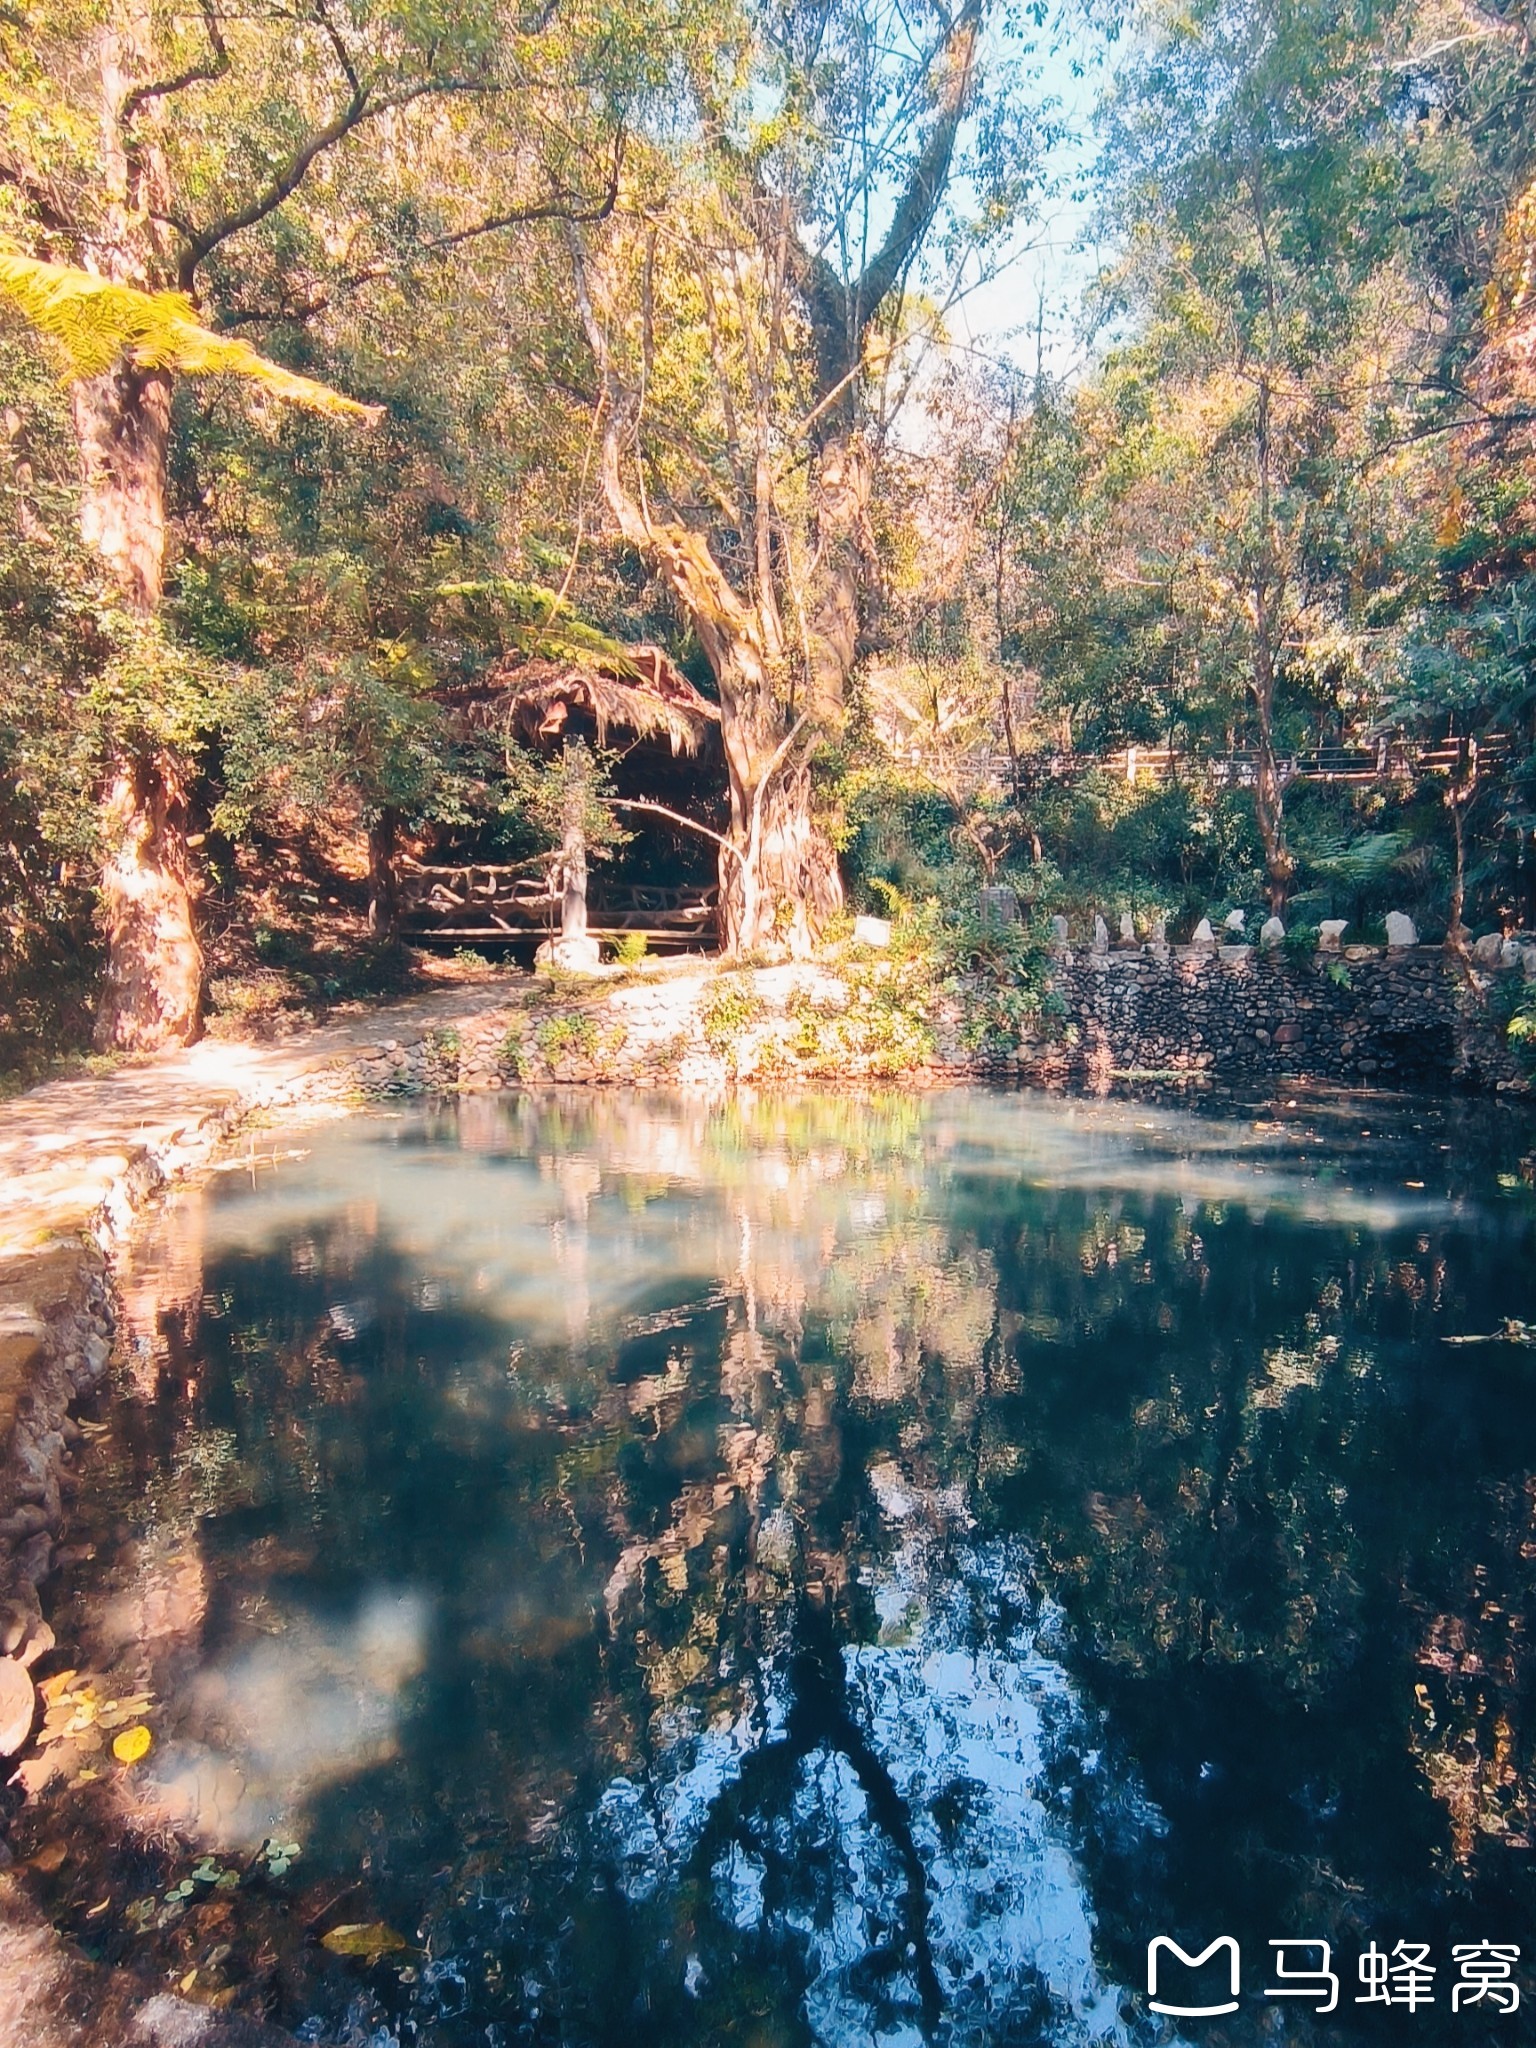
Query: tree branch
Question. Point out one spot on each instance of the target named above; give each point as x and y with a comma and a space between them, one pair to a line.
358, 109
919, 203
214, 66
622, 803
45, 204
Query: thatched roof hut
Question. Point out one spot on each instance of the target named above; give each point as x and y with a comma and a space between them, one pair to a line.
647, 696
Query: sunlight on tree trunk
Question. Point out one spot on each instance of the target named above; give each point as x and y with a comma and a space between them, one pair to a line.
152, 990
573, 871
123, 420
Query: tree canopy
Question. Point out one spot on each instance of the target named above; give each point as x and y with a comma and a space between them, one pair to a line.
351, 353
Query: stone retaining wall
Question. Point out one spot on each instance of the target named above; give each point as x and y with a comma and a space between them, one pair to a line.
1411, 1018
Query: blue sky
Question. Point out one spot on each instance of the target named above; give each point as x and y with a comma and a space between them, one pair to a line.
1044, 279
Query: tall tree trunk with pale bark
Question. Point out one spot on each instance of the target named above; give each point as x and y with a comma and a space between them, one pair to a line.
152, 989
152, 993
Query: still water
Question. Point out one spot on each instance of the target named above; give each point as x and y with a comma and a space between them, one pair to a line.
817, 1571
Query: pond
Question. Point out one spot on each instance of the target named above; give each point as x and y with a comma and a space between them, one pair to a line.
612, 1569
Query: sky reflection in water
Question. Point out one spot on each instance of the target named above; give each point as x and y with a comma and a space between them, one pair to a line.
840, 1572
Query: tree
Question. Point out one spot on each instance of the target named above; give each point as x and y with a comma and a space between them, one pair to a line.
152, 990
179, 142
1255, 170
747, 328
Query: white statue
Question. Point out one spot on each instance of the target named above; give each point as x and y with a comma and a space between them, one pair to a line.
1236, 921
1272, 933
1330, 934
1203, 935
1100, 934
1127, 929
1401, 930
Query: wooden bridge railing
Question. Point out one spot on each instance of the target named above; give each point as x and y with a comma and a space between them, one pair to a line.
480, 901
1392, 759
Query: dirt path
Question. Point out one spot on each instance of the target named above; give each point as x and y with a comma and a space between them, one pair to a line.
67, 1149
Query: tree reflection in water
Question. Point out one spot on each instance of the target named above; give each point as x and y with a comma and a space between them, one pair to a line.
829, 1571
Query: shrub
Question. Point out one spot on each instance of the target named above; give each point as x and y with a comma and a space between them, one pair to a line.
631, 948
732, 1007
574, 1034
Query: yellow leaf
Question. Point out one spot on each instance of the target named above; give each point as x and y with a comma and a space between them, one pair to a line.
132, 1744
370, 1939
95, 321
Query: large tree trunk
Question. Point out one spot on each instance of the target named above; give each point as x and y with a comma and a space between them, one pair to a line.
780, 883
847, 575
383, 876
152, 990
123, 424
1269, 790
122, 420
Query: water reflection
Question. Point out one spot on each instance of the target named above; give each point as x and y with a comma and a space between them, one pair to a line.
815, 1571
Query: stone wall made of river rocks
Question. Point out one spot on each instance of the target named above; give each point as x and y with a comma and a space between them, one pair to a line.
1411, 1018
1408, 1018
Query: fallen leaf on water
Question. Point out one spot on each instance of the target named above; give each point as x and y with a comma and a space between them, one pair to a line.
132, 1744
117, 1711
370, 1939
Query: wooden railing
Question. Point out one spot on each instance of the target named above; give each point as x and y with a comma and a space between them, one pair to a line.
1385, 760
480, 901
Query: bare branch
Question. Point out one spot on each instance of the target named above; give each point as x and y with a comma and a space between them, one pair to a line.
358, 109
210, 68
617, 803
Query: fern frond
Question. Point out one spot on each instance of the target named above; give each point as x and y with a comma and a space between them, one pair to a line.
538, 623
95, 322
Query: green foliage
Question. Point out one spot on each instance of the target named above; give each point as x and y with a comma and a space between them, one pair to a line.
512, 1054
574, 1034
1521, 1031
886, 1028
571, 789
895, 836
537, 621
1000, 973
730, 1011
630, 948
95, 321
362, 734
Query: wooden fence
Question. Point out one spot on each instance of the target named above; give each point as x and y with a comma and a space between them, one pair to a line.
478, 902
1385, 760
